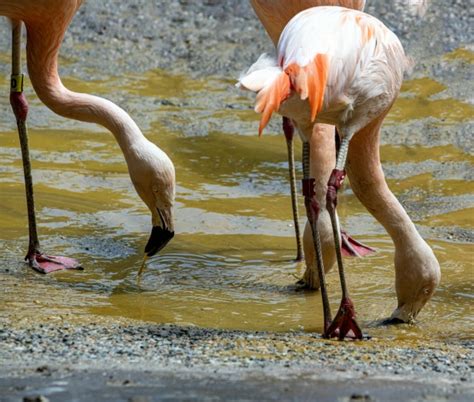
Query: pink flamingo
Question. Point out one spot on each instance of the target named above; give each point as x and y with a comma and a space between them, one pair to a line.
343, 67
151, 171
274, 15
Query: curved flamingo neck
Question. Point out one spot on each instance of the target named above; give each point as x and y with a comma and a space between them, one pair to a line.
368, 183
42, 54
391, 214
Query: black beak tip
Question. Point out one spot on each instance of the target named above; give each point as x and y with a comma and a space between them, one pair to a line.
159, 238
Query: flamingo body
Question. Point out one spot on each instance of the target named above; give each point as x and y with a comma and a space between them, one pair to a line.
330, 62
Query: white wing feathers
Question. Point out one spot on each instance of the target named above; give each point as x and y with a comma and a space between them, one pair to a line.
261, 74
330, 56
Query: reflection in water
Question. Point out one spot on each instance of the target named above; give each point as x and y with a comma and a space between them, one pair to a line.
230, 264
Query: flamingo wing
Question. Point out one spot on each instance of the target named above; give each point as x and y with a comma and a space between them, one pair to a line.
325, 50
329, 56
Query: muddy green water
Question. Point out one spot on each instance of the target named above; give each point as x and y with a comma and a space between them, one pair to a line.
230, 264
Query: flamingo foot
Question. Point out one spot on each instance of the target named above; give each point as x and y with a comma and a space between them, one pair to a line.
309, 281
353, 248
344, 324
46, 264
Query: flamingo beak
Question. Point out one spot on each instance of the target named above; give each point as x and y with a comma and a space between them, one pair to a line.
159, 238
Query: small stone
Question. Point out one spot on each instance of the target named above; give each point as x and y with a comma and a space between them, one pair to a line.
39, 398
360, 397
42, 369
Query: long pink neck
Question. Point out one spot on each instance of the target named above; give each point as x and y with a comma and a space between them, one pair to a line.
368, 183
43, 45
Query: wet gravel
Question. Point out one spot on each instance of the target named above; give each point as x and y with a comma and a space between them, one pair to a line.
166, 345
51, 349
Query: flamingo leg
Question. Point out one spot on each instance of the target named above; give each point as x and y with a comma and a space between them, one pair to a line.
37, 260
350, 247
289, 130
312, 211
344, 323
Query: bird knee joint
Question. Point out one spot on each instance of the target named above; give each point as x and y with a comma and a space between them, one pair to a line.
331, 198
337, 178
312, 209
308, 187
334, 184
19, 105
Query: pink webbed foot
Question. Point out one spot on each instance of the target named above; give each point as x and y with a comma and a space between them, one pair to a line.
344, 324
353, 248
46, 264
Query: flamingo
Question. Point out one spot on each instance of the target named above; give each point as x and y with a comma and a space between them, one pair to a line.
274, 15
151, 170
345, 68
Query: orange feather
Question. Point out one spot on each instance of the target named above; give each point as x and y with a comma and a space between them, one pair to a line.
311, 80
269, 99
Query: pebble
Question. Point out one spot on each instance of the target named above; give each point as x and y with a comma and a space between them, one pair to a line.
39, 398
359, 397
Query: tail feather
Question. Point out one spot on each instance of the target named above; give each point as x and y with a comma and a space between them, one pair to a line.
271, 83
310, 81
260, 74
270, 98
274, 85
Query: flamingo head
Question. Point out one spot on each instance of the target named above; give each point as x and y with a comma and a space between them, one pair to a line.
417, 276
153, 176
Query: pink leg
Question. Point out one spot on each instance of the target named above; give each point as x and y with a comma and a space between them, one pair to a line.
349, 246
37, 260
312, 211
289, 130
344, 323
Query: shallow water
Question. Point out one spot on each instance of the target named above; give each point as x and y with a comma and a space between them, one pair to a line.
230, 264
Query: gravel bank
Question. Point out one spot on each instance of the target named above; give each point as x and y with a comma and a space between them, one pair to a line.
168, 345
143, 358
